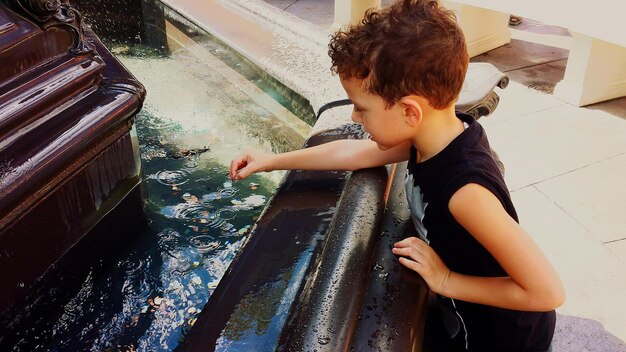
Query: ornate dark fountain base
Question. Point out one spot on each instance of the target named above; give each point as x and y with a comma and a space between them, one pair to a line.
67, 152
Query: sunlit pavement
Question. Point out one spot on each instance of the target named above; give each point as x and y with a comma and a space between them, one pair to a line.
566, 169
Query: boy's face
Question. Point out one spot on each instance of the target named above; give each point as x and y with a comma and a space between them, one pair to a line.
387, 127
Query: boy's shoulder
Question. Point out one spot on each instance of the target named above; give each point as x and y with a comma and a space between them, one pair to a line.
467, 159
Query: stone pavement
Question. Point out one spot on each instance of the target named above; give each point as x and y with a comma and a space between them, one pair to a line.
566, 168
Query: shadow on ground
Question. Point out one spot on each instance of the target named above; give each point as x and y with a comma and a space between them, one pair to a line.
582, 334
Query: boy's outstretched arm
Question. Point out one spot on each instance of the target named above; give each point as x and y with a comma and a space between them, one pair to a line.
345, 154
532, 284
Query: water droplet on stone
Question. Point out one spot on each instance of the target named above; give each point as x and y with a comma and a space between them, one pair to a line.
323, 340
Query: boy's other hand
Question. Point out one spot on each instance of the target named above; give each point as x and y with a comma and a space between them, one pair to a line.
249, 162
418, 256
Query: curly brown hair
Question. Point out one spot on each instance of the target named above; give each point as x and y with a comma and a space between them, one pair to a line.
411, 47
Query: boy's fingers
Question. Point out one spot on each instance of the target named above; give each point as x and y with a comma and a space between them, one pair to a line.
242, 173
237, 163
410, 252
233, 169
411, 241
234, 165
409, 264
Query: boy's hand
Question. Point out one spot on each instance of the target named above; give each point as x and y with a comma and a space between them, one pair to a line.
418, 256
249, 162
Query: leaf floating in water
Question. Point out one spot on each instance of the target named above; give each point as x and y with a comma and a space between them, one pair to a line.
183, 153
153, 303
244, 230
120, 50
187, 197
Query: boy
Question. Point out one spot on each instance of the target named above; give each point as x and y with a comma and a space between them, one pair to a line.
403, 68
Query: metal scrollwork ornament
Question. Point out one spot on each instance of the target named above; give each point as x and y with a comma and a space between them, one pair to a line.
43, 9
56, 13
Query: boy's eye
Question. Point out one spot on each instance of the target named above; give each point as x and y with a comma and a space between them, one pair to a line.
357, 109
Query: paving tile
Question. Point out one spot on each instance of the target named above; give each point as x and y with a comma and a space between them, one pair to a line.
549, 143
593, 276
530, 25
318, 12
519, 54
517, 101
615, 107
618, 248
560, 64
281, 4
583, 335
550, 40
542, 77
595, 196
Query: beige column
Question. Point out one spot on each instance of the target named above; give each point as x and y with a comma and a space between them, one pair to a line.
351, 11
595, 71
484, 29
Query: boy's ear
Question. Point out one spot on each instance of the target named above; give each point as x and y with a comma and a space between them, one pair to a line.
412, 109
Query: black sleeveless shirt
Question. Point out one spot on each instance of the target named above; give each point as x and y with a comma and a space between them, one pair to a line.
430, 185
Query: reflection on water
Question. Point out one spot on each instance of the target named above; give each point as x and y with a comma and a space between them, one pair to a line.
143, 291
147, 293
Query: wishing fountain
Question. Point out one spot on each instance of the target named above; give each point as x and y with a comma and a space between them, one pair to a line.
95, 254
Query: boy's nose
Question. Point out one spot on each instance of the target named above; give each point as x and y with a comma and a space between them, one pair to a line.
355, 117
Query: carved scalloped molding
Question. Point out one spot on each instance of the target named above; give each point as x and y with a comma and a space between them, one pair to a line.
56, 13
